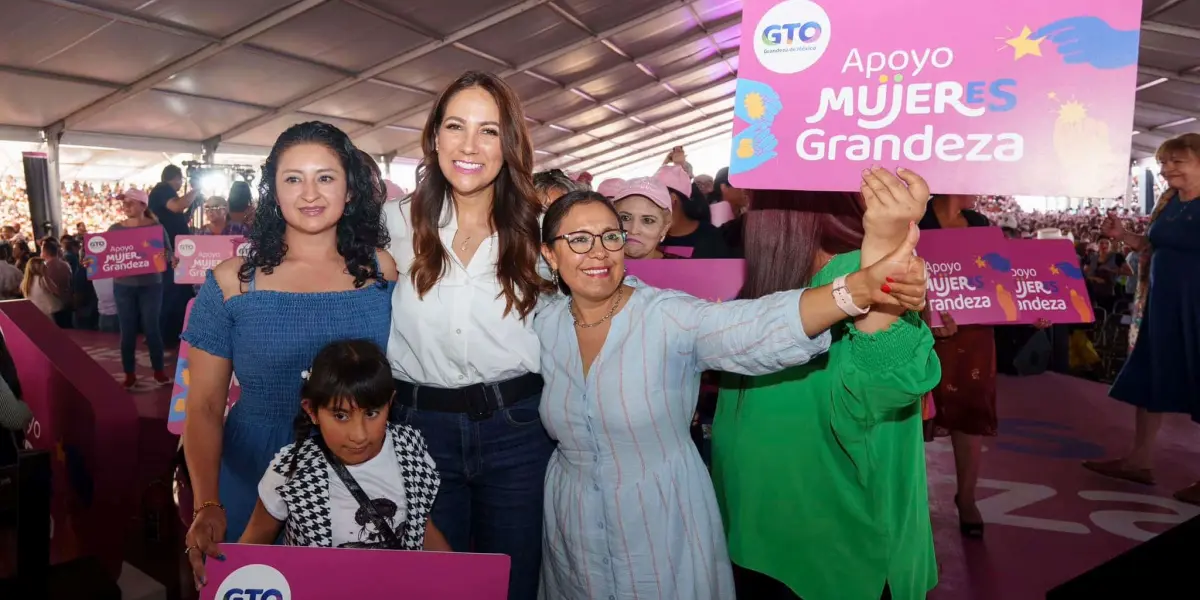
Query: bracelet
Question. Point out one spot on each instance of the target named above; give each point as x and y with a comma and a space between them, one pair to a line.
845, 300
209, 504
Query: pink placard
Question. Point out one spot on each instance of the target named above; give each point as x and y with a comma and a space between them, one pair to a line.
989, 97
710, 279
684, 251
1050, 283
970, 276
301, 573
198, 254
183, 377
125, 252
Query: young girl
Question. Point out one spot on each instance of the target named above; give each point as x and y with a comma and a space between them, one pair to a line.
360, 482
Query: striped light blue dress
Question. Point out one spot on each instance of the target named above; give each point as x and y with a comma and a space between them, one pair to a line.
630, 511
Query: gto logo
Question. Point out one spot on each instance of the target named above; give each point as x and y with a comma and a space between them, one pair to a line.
186, 247
97, 244
255, 582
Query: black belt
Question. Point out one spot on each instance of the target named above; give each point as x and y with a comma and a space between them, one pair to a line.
477, 401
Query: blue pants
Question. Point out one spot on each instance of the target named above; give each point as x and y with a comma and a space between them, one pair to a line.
493, 472
139, 306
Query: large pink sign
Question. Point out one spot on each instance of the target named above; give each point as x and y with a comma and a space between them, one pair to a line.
300, 573
125, 252
1050, 284
710, 279
1016, 97
198, 254
88, 424
970, 276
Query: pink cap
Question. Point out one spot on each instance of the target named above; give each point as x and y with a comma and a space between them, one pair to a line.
645, 186
136, 195
675, 178
609, 187
394, 192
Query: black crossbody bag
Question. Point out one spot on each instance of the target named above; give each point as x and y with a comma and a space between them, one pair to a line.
390, 541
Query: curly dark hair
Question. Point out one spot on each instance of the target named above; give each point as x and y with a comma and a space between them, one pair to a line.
360, 231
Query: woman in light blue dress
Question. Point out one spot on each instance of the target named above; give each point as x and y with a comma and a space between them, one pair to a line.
629, 507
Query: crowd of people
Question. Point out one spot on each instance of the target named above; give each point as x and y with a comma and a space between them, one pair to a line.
468, 368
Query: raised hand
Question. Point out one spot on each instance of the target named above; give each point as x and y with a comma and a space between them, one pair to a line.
899, 279
1091, 41
892, 202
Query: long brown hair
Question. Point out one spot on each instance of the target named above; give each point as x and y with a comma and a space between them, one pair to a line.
515, 205
784, 231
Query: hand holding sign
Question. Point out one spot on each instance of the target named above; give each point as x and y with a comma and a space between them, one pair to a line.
1092, 41
948, 328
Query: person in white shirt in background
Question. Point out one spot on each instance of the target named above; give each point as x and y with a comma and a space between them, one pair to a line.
10, 275
462, 348
106, 304
36, 288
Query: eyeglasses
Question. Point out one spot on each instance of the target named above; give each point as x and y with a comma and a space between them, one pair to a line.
582, 242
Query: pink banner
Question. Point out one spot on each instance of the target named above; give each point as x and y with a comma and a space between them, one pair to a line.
125, 252
183, 377
710, 279
1017, 97
970, 276
88, 424
301, 573
1050, 283
198, 254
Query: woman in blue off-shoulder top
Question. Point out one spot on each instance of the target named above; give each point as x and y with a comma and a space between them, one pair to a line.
315, 274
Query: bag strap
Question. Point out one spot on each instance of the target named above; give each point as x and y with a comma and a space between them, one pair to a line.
359, 495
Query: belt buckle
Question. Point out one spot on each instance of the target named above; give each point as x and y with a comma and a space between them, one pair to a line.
477, 404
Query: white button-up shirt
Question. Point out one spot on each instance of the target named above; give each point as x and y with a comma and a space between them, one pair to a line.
458, 334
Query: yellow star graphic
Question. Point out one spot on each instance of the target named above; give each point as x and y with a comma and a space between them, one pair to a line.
1023, 45
979, 262
1054, 270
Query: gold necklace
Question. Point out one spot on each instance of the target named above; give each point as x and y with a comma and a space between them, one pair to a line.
611, 311
463, 247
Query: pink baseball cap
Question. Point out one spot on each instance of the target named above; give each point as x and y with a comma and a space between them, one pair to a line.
609, 187
675, 178
394, 192
136, 195
645, 186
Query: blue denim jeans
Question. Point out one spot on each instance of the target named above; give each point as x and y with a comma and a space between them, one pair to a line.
493, 472
139, 306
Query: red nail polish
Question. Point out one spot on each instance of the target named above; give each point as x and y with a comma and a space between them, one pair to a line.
890, 280
887, 289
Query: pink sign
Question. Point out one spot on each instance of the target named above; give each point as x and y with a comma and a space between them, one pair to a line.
183, 377
125, 252
198, 254
1050, 284
301, 573
710, 279
88, 424
970, 276
1016, 97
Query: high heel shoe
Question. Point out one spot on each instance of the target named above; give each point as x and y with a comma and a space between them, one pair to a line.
968, 529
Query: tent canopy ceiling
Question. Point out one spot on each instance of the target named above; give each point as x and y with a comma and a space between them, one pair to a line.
604, 82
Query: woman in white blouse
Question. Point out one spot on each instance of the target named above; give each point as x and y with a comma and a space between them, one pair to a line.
462, 350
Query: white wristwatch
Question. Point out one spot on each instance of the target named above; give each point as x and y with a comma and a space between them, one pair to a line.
845, 300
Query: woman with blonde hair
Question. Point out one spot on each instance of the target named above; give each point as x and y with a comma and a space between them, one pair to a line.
1160, 375
35, 289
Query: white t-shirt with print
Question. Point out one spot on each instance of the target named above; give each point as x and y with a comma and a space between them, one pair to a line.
379, 477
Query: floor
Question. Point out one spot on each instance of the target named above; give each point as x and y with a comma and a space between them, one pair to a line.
1048, 519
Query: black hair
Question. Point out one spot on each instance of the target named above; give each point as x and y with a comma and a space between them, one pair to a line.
559, 210
51, 246
171, 173
347, 371
239, 197
360, 231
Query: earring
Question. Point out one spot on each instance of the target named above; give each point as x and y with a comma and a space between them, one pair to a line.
554, 276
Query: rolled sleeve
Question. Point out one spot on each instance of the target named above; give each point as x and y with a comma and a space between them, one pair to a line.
750, 337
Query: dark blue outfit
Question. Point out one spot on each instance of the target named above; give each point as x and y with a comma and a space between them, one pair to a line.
1163, 371
272, 337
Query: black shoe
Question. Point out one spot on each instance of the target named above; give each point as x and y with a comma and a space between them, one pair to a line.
971, 530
